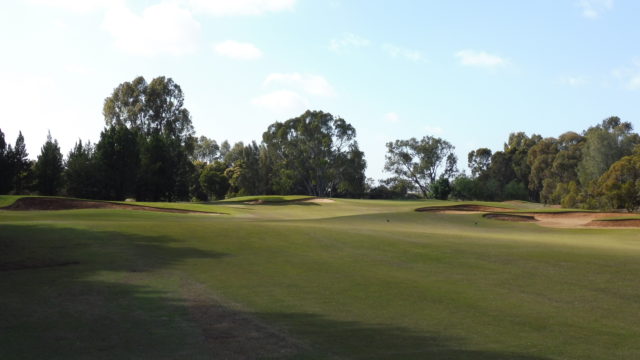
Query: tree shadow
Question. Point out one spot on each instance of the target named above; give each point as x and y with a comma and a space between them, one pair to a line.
122, 298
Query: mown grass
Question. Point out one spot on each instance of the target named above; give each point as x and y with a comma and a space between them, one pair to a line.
350, 279
269, 198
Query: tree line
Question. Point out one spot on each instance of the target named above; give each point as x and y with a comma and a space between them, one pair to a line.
148, 151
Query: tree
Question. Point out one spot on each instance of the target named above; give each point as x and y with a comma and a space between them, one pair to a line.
117, 158
605, 144
540, 159
620, 185
81, 172
479, 161
517, 151
213, 180
421, 161
244, 170
206, 150
309, 153
6, 170
155, 113
49, 167
20, 165
441, 189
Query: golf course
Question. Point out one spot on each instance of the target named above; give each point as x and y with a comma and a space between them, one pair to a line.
295, 277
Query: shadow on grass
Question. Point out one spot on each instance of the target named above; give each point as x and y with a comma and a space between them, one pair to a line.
117, 297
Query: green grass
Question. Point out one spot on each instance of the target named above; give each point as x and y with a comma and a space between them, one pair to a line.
269, 198
363, 279
7, 200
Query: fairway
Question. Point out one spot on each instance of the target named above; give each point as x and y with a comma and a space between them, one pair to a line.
300, 279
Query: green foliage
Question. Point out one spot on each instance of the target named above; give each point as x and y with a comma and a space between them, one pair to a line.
313, 154
118, 162
441, 189
479, 161
6, 169
206, 150
620, 185
421, 161
21, 166
148, 125
213, 180
605, 144
515, 190
49, 167
81, 172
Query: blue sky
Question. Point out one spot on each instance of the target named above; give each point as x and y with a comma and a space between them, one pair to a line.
470, 72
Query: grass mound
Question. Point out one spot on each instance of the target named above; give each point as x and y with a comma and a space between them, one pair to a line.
270, 199
57, 203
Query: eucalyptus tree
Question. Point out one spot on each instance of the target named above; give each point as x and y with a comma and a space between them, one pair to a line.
422, 161
312, 154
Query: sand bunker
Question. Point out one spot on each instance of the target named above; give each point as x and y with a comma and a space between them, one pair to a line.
574, 219
38, 203
561, 219
462, 209
319, 201
511, 217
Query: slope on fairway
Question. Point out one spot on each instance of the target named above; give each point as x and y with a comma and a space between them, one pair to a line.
349, 279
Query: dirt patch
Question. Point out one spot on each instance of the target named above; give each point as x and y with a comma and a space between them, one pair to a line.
463, 209
42, 203
511, 217
254, 202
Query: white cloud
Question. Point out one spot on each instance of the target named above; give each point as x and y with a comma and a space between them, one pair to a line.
480, 59
241, 7
348, 40
591, 9
165, 28
238, 50
282, 101
78, 6
392, 117
574, 80
435, 130
309, 83
396, 51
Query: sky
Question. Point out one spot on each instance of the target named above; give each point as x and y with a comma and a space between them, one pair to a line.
470, 72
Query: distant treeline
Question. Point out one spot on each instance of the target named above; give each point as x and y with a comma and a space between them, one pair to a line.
148, 151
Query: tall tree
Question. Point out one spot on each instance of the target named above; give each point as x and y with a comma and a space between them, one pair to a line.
620, 185
206, 150
6, 170
308, 152
49, 167
156, 112
479, 161
118, 161
21, 165
604, 145
421, 161
81, 171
